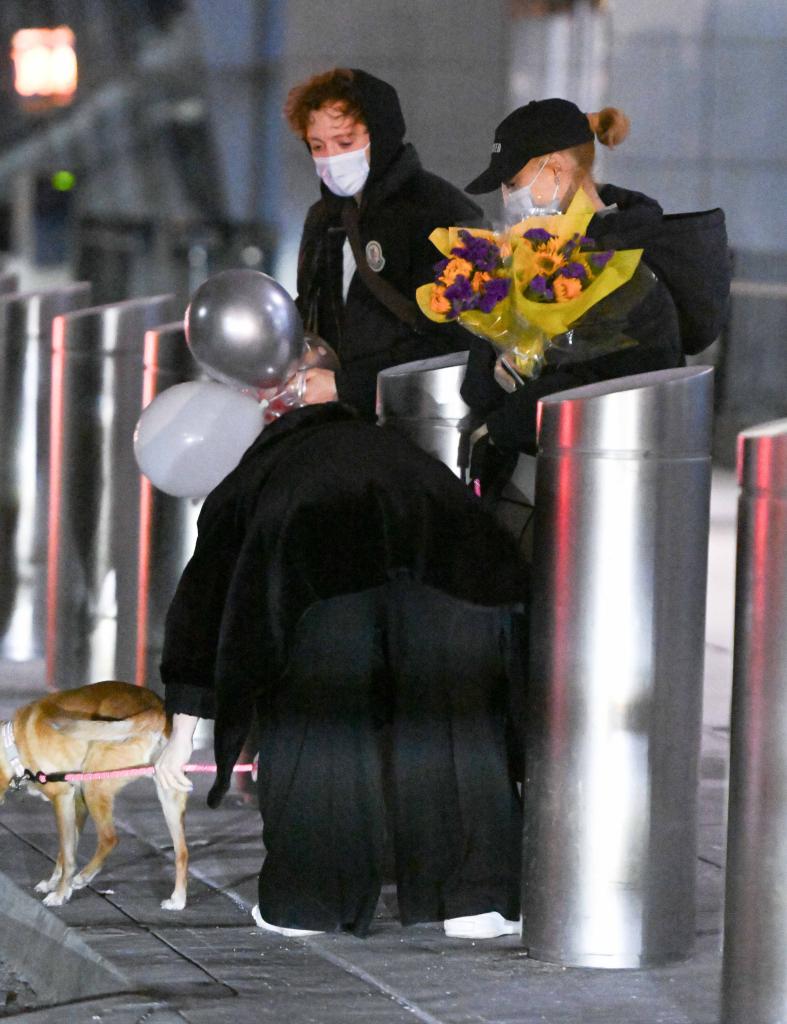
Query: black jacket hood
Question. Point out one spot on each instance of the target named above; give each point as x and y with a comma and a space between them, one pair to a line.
379, 102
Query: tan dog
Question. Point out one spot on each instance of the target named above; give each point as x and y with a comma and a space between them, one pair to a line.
94, 728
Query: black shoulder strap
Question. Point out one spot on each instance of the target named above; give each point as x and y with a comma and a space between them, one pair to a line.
404, 309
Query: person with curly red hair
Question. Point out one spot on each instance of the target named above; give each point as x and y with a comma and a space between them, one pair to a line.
365, 246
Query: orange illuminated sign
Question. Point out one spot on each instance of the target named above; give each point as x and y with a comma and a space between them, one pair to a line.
45, 63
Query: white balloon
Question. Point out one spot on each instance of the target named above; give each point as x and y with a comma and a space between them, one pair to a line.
192, 435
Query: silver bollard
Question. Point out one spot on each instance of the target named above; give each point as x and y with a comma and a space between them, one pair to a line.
421, 399
615, 696
25, 382
754, 974
97, 371
167, 525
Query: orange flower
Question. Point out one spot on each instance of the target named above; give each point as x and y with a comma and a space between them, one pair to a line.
456, 267
566, 288
438, 303
479, 280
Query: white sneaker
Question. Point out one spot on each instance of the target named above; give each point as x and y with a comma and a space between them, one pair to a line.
481, 926
290, 933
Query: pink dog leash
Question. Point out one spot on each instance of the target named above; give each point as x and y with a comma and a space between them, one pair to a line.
116, 773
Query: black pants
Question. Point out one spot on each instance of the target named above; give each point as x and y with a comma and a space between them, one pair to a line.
394, 714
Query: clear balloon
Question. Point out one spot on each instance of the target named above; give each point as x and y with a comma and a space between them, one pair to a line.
244, 329
317, 352
192, 435
280, 399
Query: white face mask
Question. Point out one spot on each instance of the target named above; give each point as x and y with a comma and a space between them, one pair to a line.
521, 202
345, 174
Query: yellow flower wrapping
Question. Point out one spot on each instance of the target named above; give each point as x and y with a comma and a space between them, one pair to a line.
556, 317
489, 325
517, 324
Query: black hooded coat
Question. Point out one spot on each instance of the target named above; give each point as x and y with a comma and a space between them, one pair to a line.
401, 205
321, 505
682, 313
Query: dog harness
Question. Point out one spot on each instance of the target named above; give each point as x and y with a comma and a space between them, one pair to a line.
21, 774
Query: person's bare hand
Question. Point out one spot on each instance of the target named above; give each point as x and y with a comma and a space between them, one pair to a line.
176, 754
314, 385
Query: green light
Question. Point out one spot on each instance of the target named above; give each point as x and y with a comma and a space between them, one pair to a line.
63, 181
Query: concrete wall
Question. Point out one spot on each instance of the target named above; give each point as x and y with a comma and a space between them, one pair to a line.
704, 85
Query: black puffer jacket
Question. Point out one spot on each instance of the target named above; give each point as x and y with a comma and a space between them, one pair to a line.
682, 313
400, 206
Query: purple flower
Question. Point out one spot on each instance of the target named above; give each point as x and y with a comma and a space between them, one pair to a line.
587, 243
461, 295
481, 252
440, 266
577, 270
540, 287
538, 236
494, 291
539, 284
600, 259
569, 246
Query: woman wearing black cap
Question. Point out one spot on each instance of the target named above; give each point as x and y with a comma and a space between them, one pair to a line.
365, 246
541, 155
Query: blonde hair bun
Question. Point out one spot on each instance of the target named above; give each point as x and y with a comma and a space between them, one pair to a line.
610, 126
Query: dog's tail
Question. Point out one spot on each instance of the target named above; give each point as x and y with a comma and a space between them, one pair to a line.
109, 730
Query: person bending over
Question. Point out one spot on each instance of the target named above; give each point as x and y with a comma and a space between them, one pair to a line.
350, 589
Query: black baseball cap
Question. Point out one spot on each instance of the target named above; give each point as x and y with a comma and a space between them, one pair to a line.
540, 127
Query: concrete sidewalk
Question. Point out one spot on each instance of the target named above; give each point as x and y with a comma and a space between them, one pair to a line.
208, 964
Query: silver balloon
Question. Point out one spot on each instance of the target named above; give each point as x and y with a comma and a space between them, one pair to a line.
243, 329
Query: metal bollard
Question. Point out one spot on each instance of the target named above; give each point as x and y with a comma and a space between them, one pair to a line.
25, 382
167, 525
617, 646
754, 974
97, 372
421, 399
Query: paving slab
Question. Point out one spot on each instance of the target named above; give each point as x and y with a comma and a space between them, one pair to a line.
126, 1009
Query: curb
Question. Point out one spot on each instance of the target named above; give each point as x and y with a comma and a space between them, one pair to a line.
48, 955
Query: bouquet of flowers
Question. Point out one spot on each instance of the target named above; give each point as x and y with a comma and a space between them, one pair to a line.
531, 287
472, 282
